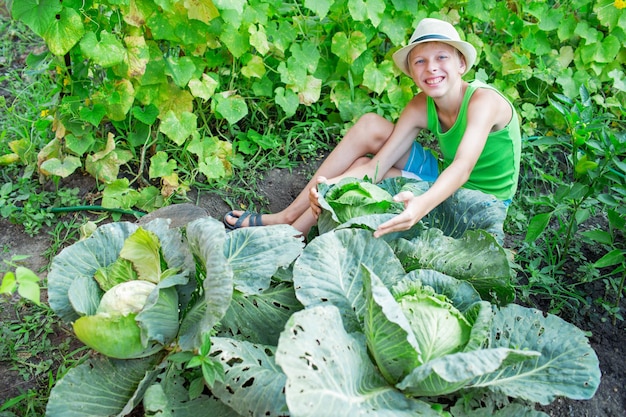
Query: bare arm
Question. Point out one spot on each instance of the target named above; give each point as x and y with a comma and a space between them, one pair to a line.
485, 112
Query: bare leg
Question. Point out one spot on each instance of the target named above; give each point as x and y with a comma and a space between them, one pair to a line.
366, 137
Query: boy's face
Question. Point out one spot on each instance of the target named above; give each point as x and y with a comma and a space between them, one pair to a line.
434, 65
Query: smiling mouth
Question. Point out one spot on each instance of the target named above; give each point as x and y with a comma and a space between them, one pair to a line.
433, 81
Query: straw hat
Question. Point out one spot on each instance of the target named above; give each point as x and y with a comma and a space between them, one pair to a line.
435, 30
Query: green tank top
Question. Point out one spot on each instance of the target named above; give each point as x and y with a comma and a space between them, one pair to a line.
497, 169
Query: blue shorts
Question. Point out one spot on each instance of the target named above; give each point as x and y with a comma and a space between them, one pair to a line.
422, 164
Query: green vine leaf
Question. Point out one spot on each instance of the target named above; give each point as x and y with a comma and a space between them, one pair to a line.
79, 144
258, 39
212, 167
180, 69
94, 114
118, 194
395, 27
287, 100
607, 52
107, 52
609, 14
117, 98
169, 97
166, 5
348, 49
60, 167
147, 115
282, 34
254, 68
320, 7
178, 129
619, 79
213, 156
232, 107
306, 55
377, 77
64, 32
138, 55
311, 91
37, 14
361, 10
161, 166
292, 73
203, 10
204, 87
236, 43
236, 5
105, 165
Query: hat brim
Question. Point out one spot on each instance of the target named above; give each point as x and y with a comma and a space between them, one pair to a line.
400, 57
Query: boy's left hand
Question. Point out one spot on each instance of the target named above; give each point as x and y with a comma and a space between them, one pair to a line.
404, 221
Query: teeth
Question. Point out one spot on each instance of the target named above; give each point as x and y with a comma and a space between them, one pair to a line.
434, 81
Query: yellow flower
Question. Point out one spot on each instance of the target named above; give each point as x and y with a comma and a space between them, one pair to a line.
620, 4
44, 113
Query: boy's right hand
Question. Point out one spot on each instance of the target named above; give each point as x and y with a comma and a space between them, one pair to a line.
313, 199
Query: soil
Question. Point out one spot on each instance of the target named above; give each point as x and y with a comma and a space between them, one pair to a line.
279, 187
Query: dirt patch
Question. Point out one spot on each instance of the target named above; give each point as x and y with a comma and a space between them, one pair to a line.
279, 187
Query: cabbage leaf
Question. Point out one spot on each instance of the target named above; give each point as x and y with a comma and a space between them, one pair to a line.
254, 384
476, 258
329, 371
329, 271
568, 366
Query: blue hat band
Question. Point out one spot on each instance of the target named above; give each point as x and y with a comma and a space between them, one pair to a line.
429, 37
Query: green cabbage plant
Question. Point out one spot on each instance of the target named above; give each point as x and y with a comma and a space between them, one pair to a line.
378, 340
148, 299
119, 288
353, 198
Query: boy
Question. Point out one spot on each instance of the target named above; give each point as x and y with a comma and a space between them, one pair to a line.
477, 129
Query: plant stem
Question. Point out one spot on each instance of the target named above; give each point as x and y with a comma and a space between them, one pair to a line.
619, 293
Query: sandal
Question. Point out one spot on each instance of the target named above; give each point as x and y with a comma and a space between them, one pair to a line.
255, 220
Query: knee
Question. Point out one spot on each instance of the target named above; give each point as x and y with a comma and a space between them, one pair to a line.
371, 122
374, 129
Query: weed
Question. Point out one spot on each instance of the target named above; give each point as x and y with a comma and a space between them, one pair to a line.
22, 201
39, 349
574, 175
64, 232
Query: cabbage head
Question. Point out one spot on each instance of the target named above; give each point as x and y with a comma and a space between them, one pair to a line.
119, 290
352, 197
113, 330
412, 325
439, 328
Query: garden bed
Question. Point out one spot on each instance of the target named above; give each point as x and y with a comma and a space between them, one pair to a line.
279, 187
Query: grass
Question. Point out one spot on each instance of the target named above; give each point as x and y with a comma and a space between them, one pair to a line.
40, 349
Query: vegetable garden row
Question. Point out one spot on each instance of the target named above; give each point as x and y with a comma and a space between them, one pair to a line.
419, 323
